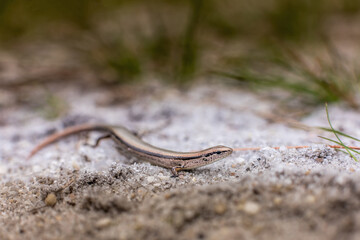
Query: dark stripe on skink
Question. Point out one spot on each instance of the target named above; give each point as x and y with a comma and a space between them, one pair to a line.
167, 156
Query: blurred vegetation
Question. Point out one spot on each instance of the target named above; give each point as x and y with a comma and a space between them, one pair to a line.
178, 41
312, 78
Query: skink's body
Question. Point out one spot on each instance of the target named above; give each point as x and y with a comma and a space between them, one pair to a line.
131, 146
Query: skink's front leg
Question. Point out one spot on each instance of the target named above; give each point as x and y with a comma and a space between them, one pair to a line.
174, 171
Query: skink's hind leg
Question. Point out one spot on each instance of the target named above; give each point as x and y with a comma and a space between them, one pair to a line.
99, 140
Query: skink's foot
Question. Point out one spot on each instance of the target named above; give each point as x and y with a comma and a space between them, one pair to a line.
174, 171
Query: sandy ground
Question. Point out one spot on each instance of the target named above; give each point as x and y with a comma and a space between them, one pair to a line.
72, 191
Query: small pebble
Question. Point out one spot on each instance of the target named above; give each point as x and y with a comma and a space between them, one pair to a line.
75, 166
319, 160
310, 199
250, 208
150, 179
103, 223
168, 195
277, 200
240, 161
50, 199
220, 208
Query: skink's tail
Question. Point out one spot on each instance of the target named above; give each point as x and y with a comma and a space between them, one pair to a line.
68, 132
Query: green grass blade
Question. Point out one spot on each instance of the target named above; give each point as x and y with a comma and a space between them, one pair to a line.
336, 135
345, 147
340, 133
338, 143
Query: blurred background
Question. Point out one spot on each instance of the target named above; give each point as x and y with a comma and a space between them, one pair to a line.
307, 48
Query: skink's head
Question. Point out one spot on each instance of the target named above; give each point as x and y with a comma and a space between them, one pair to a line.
222, 151
216, 153
204, 157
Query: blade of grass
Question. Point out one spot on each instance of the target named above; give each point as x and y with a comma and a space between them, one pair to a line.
340, 133
336, 135
190, 49
338, 143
